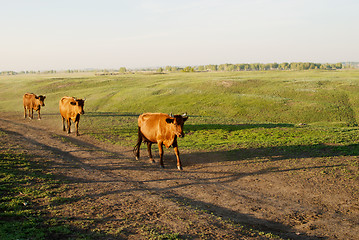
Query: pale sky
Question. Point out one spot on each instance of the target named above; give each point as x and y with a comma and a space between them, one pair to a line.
77, 34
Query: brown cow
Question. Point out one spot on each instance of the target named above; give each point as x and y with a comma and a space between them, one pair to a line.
70, 109
33, 102
162, 129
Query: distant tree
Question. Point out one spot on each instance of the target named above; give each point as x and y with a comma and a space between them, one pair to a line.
284, 66
122, 70
339, 66
211, 67
188, 69
200, 68
221, 67
305, 66
247, 67
174, 69
254, 66
311, 66
160, 70
231, 67
274, 65
266, 66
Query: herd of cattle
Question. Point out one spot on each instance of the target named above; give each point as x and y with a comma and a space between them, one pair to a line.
159, 128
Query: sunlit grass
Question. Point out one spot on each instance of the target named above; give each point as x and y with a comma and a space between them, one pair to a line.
227, 110
263, 96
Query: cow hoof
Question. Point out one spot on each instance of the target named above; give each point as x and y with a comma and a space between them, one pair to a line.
137, 158
179, 168
152, 160
161, 166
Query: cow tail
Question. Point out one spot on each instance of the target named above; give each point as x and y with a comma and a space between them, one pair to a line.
138, 144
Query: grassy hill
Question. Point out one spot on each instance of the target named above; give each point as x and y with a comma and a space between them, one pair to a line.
265, 96
222, 105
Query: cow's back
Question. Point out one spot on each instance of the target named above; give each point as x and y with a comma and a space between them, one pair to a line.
152, 125
64, 106
28, 99
151, 120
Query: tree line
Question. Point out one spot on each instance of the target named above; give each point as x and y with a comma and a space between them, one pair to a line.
207, 68
254, 67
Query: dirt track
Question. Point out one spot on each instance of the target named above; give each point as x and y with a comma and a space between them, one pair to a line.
273, 193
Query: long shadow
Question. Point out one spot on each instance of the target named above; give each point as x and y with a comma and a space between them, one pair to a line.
110, 114
234, 127
297, 151
95, 114
268, 154
245, 220
219, 212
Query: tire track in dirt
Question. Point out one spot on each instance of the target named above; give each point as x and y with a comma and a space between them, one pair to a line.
110, 177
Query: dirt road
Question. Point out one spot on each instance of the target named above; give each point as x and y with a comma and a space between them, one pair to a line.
217, 196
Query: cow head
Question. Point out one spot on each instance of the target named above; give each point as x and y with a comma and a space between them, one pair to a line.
176, 123
40, 100
78, 104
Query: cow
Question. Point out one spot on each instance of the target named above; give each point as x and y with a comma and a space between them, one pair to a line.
33, 102
162, 129
70, 109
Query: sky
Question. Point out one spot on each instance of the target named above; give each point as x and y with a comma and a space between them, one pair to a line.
109, 34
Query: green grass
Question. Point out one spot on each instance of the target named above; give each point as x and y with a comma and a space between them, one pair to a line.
228, 110
23, 186
263, 96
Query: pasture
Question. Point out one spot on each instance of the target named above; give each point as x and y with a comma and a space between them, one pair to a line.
263, 127
228, 110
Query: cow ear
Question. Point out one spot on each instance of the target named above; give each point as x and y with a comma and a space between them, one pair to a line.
73, 103
37, 97
170, 120
185, 119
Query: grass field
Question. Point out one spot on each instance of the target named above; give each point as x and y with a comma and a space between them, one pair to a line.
228, 110
229, 97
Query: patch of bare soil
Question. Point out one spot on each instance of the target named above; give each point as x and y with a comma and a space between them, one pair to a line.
249, 194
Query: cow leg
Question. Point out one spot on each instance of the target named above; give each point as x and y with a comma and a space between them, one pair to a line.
149, 145
179, 165
160, 149
136, 149
25, 112
69, 126
63, 124
32, 113
38, 115
77, 121
77, 127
